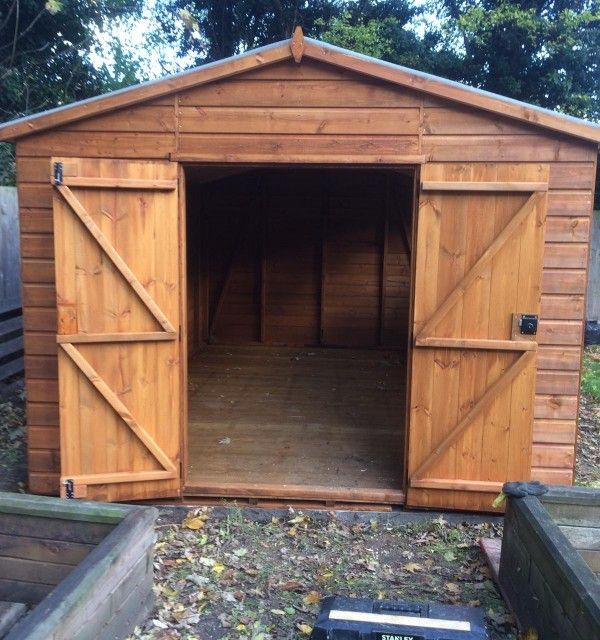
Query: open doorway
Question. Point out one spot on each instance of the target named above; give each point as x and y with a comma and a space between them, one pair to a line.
298, 296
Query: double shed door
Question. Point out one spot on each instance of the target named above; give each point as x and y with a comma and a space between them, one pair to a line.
117, 256
479, 250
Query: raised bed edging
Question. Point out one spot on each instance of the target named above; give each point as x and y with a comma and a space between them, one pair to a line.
549, 587
110, 590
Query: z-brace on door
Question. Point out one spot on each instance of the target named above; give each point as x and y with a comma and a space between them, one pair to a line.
116, 236
479, 255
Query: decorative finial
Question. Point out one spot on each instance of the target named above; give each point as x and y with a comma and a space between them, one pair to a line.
297, 44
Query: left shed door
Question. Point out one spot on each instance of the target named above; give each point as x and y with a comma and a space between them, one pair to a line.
116, 239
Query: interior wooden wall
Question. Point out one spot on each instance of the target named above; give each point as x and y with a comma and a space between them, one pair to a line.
299, 257
315, 109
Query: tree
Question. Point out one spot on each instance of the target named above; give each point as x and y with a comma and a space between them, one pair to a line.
220, 28
546, 52
45, 56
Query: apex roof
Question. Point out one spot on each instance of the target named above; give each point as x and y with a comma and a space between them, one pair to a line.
298, 48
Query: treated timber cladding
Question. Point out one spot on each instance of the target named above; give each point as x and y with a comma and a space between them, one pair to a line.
303, 112
282, 254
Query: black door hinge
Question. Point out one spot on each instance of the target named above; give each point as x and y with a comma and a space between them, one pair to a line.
69, 489
58, 173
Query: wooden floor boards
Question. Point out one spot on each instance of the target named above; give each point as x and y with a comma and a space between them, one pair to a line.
330, 421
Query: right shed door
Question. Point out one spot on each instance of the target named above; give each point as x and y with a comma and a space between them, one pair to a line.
479, 250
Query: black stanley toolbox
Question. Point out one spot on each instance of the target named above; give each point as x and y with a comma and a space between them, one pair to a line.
364, 619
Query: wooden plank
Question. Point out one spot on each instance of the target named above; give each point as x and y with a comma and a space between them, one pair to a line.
24, 592
441, 88
40, 343
42, 437
593, 300
484, 486
479, 266
276, 120
554, 431
570, 203
10, 613
119, 183
529, 187
10, 275
97, 144
562, 307
559, 407
454, 119
42, 550
35, 220
259, 57
42, 412
108, 394
273, 148
115, 258
54, 529
140, 336
560, 358
41, 366
35, 270
39, 295
489, 345
39, 319
351, 92
11, 368
84, 594
567, 281
572, 175
552, 455
35, 195
565, 256
507, 148
488, 397
567, 229
37, 245
551, 382
142, 118
560, 332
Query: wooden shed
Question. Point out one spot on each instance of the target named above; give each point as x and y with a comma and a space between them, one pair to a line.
302, 274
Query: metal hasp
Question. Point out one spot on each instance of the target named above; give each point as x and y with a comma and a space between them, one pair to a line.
528, 324
69, 489
58, 173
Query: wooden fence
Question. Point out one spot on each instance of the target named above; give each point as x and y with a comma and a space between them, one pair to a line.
593, 293
11, 323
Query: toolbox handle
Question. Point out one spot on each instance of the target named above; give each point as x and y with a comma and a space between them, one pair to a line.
402, 607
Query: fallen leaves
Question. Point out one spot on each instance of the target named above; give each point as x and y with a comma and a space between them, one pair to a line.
305, 629
311, 598
223, 576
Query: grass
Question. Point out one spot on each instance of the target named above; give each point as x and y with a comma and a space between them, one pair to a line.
590, 375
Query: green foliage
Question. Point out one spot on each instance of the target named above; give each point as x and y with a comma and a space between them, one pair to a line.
590, 375
7, 165
45, 57
546, 52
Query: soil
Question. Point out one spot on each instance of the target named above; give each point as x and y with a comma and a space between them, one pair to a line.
587, 470
221, 574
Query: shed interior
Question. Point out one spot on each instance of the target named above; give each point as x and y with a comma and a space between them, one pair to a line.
298, 295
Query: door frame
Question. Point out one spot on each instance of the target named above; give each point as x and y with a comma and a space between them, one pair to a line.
316, 494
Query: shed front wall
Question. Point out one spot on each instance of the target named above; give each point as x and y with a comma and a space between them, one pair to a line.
312, 111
